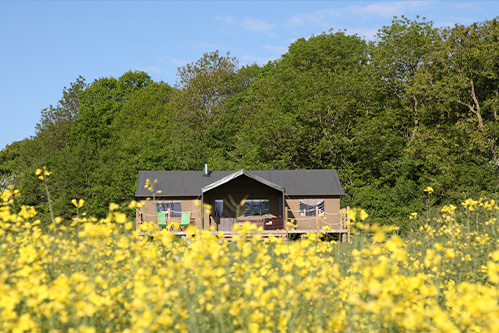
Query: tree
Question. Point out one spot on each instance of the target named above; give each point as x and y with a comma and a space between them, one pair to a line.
467, 80
101, 102
456, 150
307, 104
401, 52
468, 56
201, 106
56, 122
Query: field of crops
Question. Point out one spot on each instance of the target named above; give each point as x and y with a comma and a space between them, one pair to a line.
84, 275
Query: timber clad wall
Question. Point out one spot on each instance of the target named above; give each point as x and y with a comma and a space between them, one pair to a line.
331, 207
188, 205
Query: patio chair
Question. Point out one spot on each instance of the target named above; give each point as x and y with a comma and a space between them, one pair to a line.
185, 219
161, 217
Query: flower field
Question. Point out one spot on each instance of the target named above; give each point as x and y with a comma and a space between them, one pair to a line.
85, 275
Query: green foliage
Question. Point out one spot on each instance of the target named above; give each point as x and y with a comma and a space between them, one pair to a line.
101, 102
56, 122
307, 104
417, 107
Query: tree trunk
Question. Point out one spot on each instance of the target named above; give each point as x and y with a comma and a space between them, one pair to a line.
476, 108
416, 121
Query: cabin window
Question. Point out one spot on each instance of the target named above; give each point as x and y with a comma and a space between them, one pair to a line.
308, 206
175, 207
219, 207
256, 207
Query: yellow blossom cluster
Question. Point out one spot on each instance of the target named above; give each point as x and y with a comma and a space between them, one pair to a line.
100, 276
41, 173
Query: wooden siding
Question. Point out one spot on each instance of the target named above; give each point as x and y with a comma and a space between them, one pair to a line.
331, 207
188, 205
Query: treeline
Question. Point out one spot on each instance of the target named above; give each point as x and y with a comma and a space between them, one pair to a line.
417, 107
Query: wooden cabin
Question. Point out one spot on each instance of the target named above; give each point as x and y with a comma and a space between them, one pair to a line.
309, 199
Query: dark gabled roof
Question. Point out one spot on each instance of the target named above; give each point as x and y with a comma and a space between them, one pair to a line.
191, 183
240, 173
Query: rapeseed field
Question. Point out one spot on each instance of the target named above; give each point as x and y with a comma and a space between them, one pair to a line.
87, 275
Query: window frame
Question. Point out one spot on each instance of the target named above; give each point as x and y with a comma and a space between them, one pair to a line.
310, 209
218, 212
174, 205
263, 207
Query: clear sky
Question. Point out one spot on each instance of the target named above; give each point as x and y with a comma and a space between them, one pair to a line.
46, 45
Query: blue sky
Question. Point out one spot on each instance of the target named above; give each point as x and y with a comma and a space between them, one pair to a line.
46, 45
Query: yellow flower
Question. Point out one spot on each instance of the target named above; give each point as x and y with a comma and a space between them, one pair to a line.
357, 212
450, 254
120, 217
45, 172
494, 255
428, 190
492, 272
78, 204
379, 236
113, 206
363, 215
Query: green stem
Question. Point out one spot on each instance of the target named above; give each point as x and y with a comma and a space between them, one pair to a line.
50, 203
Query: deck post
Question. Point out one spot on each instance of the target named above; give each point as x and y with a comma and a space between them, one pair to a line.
201, 206
137, 218
285, 222
284, 210
346, 218
343, 224
168, 217
348, 222
317, 218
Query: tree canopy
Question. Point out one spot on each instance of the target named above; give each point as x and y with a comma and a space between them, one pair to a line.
416, 107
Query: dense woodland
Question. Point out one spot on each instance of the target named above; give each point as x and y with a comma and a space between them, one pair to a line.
416, 107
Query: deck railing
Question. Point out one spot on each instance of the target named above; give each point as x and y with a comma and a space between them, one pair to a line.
313, 223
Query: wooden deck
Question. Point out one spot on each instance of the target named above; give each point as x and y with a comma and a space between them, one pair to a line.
340, 232
335, 234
